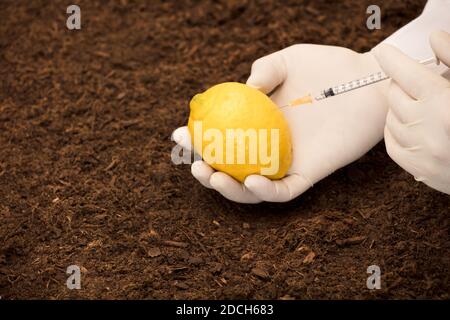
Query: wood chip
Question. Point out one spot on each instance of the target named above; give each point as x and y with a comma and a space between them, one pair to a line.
128, 123
175, 244
309, 258
154, 252
95, 243
362, 214
153, 234
181, 285
247, 256
216, 223
311, 10
178, 269
350, 241
195, 261
261, 273
349, 221
246, 225
303, 249
113, 163
101, 54
215, 268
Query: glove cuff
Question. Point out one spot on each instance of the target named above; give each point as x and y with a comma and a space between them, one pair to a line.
413, 39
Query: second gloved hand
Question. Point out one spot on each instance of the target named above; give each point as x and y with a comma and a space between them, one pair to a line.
417, 133
326, 135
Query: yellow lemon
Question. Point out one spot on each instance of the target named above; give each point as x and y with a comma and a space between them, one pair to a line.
240, 131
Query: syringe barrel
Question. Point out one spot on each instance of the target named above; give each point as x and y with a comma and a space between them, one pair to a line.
328, 93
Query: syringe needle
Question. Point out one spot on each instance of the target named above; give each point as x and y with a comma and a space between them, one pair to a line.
351, 85
303, 100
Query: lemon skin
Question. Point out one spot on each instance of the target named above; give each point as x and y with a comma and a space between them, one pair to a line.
233, 105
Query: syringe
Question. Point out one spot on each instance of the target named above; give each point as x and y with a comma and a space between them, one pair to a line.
349, 86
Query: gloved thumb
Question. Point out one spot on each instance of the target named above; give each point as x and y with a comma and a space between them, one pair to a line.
415, 79
268, 72
182, 137
440, 43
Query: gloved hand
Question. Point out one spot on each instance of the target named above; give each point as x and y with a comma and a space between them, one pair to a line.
326, 135
417, 132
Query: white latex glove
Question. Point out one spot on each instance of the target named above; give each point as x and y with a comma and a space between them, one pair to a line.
413, 38
326, 135
417, 132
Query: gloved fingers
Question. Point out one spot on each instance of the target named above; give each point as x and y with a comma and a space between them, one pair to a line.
182, 137
406, 109
440, 43
403, 157
232, 189
415, 79
403, 135
202, 172
223, 183
268, 72
277, 190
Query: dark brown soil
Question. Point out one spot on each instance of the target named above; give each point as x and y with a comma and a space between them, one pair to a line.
86, 176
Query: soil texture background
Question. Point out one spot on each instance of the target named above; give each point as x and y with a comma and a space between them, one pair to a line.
86, 177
